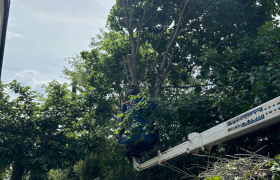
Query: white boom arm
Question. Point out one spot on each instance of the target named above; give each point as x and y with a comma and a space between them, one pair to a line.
252, 120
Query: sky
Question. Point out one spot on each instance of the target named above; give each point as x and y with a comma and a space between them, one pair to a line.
42, 33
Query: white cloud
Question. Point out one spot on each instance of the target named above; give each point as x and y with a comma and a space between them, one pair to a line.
28, 78
42, 33
11, 35
31, 78
34, 80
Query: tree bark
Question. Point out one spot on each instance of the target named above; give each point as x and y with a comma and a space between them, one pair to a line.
18, 171
131, 62
158, 87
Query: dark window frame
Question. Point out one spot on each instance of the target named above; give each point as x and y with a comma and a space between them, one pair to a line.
4, 30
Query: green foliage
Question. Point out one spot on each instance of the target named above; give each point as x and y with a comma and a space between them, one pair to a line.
243, 77
107, 162
159, 22
213, 178
222, 76
41, 137
275, 168
66, 174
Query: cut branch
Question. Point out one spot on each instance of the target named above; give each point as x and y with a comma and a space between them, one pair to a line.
252, 166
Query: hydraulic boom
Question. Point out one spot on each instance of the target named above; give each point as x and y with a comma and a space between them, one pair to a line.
252, 120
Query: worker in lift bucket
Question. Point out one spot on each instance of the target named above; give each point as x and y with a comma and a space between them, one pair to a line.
133, 90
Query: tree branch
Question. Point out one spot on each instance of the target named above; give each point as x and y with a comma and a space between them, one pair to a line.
170, 43
169, 63
156, 70
177, 28
188, 25
127, 76
200, 16
132, 62
168, 21
188, 86
176, 68
140, 31
132, 12
189, 12
227, 39
125, 14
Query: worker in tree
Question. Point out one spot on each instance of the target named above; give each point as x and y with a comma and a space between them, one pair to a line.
133, 90
133, 149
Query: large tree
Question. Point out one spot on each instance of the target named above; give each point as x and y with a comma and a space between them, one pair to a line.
225, 64
176, 30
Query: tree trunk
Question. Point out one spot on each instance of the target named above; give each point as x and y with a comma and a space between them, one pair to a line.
74, 87
131, 62
18, 171
158, 88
